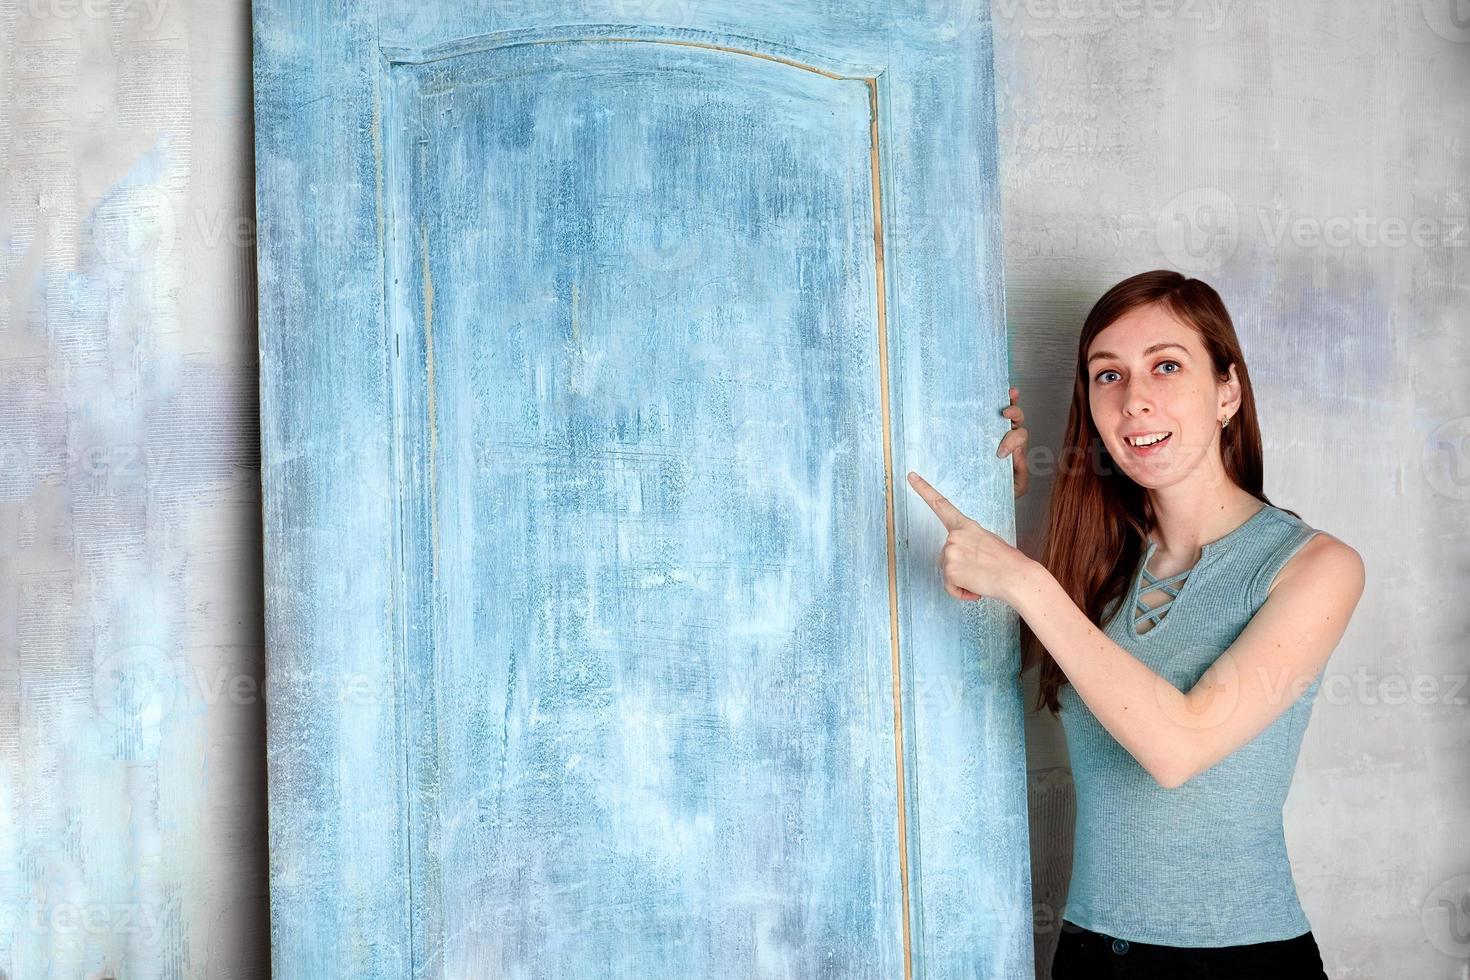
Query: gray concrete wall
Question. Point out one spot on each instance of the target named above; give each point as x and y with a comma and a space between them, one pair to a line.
131, 719
1311, 161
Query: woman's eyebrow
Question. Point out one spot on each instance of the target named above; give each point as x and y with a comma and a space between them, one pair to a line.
1146, 353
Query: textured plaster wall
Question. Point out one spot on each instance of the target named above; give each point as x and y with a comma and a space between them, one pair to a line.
1312, 162
131, 725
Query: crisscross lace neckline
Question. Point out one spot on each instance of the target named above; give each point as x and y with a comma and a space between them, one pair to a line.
1173, 585
1142, 612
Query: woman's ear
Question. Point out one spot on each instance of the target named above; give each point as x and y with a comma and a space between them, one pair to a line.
1230, 392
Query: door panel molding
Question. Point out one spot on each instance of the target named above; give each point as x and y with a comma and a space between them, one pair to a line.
750, 45
412, 88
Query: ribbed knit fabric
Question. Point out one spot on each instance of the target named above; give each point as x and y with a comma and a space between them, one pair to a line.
1203, 864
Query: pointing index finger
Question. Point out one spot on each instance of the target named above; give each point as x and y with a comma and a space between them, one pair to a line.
949, 515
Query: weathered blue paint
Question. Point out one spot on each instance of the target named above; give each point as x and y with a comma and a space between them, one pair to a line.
583, 449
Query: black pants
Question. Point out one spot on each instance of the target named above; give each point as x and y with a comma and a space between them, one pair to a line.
1086, 955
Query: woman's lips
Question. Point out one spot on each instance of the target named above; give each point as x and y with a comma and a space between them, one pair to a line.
1150, 449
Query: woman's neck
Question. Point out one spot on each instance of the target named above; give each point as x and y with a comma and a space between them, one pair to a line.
1182, 524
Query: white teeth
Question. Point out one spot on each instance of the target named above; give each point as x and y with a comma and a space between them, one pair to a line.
1147, 440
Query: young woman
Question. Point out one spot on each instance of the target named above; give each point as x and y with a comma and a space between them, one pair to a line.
1181, 622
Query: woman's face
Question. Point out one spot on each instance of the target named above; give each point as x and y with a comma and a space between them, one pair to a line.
1148, 374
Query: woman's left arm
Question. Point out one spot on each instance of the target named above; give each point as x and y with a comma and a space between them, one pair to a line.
1176, 735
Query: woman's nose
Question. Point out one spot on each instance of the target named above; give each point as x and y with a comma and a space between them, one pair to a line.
1137, 401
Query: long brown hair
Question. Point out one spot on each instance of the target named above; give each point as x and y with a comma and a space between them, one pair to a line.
1098, 519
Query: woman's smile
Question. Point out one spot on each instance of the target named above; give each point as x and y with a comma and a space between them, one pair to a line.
1147, 444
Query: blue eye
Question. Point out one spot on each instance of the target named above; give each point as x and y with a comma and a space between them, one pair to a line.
1176, 364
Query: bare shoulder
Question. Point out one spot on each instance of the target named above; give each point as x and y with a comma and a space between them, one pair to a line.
1323, 560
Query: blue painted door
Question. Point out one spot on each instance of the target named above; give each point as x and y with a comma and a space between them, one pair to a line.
604, 640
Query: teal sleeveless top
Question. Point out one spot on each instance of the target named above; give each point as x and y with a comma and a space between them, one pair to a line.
1203, 864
